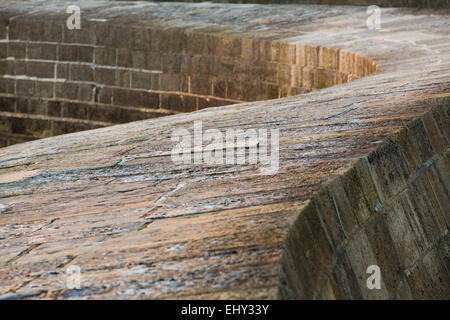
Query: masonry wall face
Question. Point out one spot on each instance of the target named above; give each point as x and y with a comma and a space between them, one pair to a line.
54, 80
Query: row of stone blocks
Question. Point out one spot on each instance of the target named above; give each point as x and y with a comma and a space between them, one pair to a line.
390, 209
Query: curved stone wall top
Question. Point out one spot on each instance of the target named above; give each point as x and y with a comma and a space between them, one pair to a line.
362, 177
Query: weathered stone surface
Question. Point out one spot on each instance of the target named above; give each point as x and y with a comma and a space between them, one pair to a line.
363, 175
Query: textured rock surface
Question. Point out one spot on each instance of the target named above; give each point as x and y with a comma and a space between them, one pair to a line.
363, 175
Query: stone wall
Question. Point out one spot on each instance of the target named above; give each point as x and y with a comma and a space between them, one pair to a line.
391, 209
54, 80
363, 165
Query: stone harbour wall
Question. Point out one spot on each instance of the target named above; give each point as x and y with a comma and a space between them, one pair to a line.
363, 151
55, 80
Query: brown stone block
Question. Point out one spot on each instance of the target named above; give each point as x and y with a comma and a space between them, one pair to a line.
37, 106
17, 50
270, 72
150, 100
391, 256
45, 89
25, 87
138, 59
103, 113
308, 78
325, 206
3, 30
140, 80
420, 140
310, 250
140, 39
75, 53
175, 41
153, 61
389, 169
283, 74
66, 90
429, 279
129, 115
247, 49
226, 66
171, 62
171, 101
22, 105
104, 33
126, 97
198, 65
219, 88
295, 76
85, 35
40, 69
104, 95
440, 216
440, 190
18, 125
235, 90
258, 50
62, 70
346, 283
7, 85
360, 188
54, 108
155, 81
121, 35
3, 50
39, 128
109, 114
81, 72
405, 144
320, 78
201, 86
5, 124
124, 57
53, 30
105, 56
195, 44
361, 255
423, 211
441, 117
74, 110
41, 51
437, 140
85, 92
7, 104
312, 56
188, 104
169, 82
343, 205
123, 78
203, 103
64, 127
14, 31
35, 30
272, 90
5, 67
105, 76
